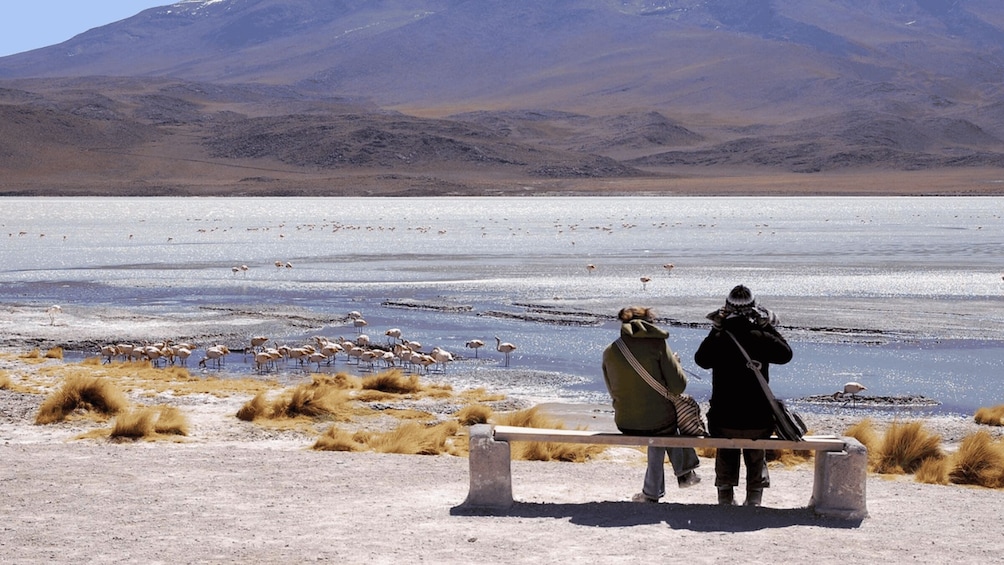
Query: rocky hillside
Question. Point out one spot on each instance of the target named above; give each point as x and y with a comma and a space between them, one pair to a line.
453, 96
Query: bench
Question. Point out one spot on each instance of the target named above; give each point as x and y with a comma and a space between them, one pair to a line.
838, 489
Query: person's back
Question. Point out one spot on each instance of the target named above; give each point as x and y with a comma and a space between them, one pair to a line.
739, 408
638, 408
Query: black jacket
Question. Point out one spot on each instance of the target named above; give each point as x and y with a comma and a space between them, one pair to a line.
737, 401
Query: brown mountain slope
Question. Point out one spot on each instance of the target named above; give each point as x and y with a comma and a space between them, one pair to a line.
453, 96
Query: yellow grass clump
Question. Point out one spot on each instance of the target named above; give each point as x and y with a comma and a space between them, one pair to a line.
474, 414
134, 424
413, 438
337, 439
541, 450
933, 471
789, 457
149, 422
254, 408
905, 447
979, 461
993, 416
864, 431
393, 382
78, 392
410, 438
5, 382
323, 397
54, 353
171, 421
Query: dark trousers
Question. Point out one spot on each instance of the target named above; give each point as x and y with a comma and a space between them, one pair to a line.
727, 460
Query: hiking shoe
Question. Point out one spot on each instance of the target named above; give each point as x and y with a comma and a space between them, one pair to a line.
689, 479
754, 497
726, 496
642, 497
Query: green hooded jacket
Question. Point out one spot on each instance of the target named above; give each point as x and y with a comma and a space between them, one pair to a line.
638, 408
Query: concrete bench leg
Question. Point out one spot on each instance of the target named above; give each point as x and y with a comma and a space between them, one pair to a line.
491, 473
838, 490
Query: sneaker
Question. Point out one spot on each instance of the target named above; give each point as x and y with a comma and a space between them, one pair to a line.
689, 479
642, 497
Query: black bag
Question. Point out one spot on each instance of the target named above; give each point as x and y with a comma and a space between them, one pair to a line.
789, 425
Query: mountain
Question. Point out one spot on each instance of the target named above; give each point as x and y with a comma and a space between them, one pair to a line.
462, 96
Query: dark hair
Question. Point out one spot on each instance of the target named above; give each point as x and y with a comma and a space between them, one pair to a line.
636, 313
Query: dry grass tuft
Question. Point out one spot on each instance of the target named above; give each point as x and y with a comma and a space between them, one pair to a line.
33, 354
393, 382
413, 438
545, 451
410, 438
790, 457
171, 421
54, 353
979, 461
408, 414
312, 400
474, 414
323, 397
933, 471
254, 408
148, 422
5, 382
336, 439
707, 452
135, 424
342, 381
864, 431
905, 447
990, 416
480, 395
87, 393
529, 418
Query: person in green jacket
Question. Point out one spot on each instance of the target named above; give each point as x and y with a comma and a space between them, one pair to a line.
638, 408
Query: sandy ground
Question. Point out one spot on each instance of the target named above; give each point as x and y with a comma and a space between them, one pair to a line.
235, 492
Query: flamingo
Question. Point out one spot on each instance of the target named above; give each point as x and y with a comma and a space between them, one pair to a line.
505, 348
107, 352
258, 343
215, 353
262, 360
475, 344
317, 357
442, 357
53, 311
125, 349
393, 333
359, 324
590, 268
669, 267
852, 388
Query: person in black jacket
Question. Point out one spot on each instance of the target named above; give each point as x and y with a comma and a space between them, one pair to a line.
739, 408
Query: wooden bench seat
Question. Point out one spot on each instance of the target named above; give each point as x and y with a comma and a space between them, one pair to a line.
838, 487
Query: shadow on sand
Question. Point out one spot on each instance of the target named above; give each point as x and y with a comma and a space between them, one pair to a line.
694, 517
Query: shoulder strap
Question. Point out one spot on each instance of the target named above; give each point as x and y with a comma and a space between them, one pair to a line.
644, 374
755, 367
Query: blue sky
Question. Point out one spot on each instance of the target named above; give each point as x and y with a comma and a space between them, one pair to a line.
30, 24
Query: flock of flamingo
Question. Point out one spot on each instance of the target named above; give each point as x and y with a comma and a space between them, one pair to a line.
360, 351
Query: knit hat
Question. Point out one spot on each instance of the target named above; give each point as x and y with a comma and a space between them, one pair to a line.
740, 298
